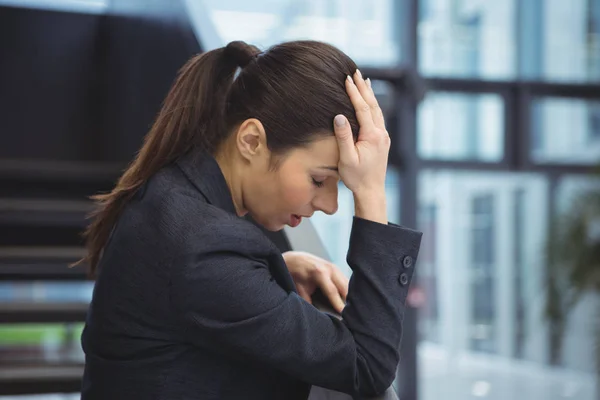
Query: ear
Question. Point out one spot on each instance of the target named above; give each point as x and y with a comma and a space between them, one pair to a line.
251, 139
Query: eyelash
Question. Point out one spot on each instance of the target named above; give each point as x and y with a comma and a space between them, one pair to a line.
317, 184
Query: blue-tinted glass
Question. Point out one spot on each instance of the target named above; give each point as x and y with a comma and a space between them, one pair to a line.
565, 131
536, 39
521, 278
467, 38
483, 300
482, 265
43, 292
566, 40
428, 277
49, 396
461, 127
577, 211
362, 28
86, 6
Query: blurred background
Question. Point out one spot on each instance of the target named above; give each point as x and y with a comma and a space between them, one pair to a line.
494, 112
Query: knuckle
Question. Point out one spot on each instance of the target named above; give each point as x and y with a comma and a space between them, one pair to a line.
383, 138
345, 134
320, 271
365, 107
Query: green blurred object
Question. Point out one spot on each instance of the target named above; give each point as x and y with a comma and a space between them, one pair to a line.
573, 265
35, 334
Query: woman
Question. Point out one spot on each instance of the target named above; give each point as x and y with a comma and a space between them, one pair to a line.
193, 302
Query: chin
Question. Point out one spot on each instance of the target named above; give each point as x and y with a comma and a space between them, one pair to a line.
269, 225
273, 227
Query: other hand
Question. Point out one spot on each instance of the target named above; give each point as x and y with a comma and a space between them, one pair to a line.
311, 273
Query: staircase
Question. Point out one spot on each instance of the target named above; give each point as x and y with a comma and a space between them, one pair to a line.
43, 211
79, 91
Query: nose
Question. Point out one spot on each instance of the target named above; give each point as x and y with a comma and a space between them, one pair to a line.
327, 200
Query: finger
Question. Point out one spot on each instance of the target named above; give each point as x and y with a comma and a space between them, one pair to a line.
342, 283
304, 294
376, 111
332, 293
361, 108
343, 135
361, 84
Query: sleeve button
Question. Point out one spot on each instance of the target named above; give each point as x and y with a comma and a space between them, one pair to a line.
407, 262
403, 279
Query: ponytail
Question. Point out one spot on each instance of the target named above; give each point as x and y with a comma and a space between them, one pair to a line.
192, 116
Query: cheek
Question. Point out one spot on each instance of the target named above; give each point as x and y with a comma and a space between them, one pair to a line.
296, 193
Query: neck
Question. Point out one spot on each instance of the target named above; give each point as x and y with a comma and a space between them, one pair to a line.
227, 164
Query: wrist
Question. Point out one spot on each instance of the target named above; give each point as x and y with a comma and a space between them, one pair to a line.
371, 205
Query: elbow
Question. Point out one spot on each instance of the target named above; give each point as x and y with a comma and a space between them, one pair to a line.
377, 387
375, 379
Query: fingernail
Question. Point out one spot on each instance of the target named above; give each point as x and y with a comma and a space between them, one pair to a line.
349, 79
339, 120
368, 82
359, 74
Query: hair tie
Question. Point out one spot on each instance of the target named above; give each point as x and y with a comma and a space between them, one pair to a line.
241, 52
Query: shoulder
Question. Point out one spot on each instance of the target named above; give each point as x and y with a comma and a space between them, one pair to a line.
181, 215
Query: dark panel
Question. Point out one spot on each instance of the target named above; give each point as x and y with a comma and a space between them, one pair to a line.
43, 312
141, 59
80, 87
48, 79
44, 378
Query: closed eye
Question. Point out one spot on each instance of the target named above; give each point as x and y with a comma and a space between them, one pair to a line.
317, 183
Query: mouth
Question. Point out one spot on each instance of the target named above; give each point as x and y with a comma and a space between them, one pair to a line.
295, 220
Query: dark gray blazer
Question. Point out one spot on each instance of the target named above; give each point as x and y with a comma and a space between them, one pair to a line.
193, 302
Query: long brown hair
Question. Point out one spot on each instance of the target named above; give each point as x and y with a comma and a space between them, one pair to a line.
295, 89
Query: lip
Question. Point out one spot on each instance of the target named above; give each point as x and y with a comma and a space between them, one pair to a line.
295, 220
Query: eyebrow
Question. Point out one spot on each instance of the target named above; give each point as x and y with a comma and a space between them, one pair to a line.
329, 168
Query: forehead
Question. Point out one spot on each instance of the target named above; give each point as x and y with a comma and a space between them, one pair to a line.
322, 151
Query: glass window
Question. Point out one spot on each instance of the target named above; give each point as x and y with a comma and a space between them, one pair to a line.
428, 275
362, 28
39, 292
519, 197
565, 131
467, 38
49, 396
575, 273
487, 334
569, 39
482, 280
535, 39
456, 126
85, 6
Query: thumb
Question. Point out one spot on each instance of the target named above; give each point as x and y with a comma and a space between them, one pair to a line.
343, 134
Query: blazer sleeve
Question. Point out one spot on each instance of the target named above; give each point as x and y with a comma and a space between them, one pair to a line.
230, 302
